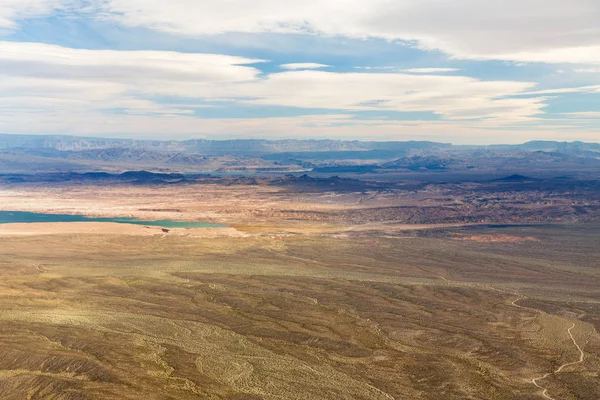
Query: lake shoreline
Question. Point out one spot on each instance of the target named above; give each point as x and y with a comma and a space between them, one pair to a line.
26, 217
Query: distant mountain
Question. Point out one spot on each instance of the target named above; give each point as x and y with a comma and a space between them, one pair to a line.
515, 178
422, 163
486, 159
336, 155
205, 146
562, 147
134, 155
110, 155
548, 146
31, 153
130, 177
357, 169
146, 176
309, 184
73, 143
304, 182
261, 146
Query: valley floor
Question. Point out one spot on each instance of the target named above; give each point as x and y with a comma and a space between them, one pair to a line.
278, 306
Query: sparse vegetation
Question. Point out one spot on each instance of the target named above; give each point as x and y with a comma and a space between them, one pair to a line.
302, 297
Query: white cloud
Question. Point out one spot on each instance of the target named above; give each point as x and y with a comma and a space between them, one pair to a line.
296, 66
103, 79
429, 70
100, 75
454, 97
580, 89
551, 31
13, 10
409, 70
48, 88
37, 59
378, 68
583, 114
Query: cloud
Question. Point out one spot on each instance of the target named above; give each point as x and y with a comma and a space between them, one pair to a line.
453, 97
296, 66
583, 114
13, 10
52, 89
551, 31
429, 70
378, 68
47, 75
409, 70
580, 89
37, 59
105, 78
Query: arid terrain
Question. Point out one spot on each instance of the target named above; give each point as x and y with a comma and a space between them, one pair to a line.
299, 200
305, 294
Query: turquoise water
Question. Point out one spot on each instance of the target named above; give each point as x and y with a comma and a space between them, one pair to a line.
9, 217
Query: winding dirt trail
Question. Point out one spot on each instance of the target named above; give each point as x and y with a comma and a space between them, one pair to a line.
581, 356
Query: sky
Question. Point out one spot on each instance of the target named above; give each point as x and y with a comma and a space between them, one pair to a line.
458, 71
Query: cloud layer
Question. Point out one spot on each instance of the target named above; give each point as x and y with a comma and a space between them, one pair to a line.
66, 90
532, 31
13, 10
103, 79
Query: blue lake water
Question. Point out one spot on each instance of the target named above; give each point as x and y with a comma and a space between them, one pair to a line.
9, 217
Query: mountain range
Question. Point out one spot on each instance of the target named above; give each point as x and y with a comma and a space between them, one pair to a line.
38, 153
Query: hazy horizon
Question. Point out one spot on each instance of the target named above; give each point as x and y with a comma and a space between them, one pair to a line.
416, 139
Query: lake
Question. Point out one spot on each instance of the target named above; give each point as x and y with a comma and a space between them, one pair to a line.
10, 217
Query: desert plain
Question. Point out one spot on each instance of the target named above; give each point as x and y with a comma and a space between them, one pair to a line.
302, 294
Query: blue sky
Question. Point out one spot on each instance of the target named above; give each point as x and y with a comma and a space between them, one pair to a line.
457, 71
